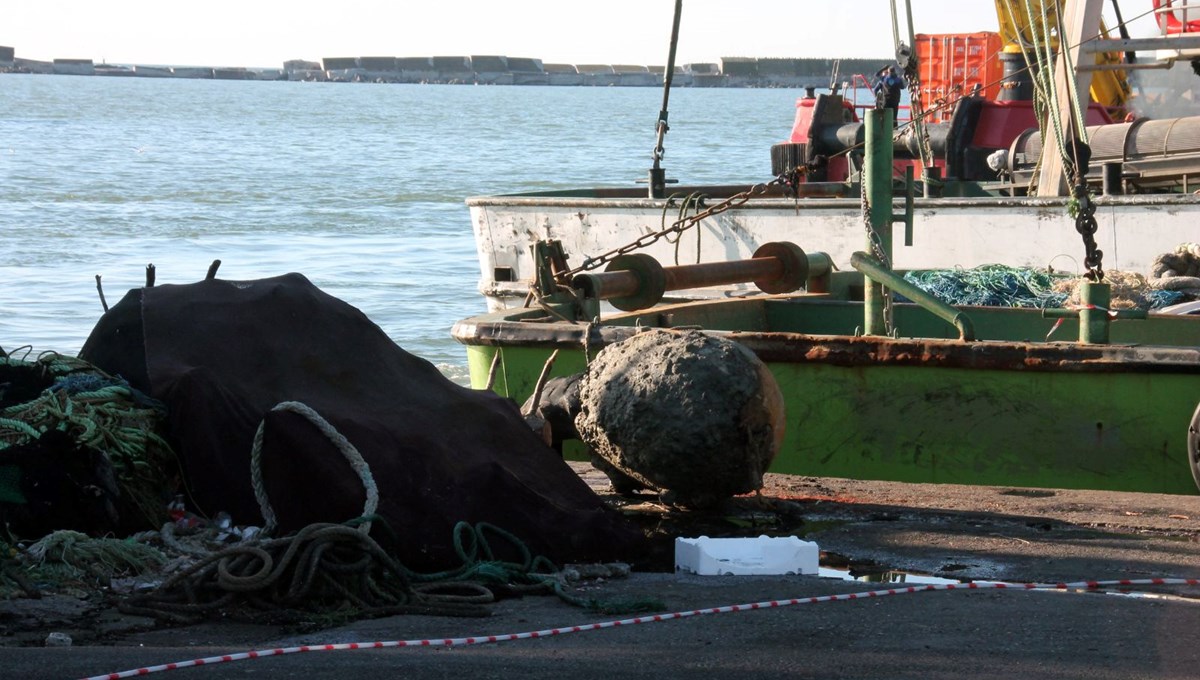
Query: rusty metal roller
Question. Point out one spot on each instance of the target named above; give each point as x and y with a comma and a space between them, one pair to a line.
638, 281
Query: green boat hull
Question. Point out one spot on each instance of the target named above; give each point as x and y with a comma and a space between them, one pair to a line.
1005, 412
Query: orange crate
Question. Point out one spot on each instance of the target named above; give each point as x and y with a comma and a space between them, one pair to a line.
953, 64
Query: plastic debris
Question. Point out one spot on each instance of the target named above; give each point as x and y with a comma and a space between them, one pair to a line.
764, 555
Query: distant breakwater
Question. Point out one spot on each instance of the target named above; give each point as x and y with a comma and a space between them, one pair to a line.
485, 70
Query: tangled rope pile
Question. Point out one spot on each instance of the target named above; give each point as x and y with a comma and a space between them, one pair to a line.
330, 568
1130, 290
1174, 278
73, 556
340, 572
336, 572
95, 411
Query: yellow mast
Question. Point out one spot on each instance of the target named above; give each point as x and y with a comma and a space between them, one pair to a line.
1019, 22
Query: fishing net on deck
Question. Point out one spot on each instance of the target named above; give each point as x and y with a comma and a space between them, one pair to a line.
1130, 290
991, 286
1175, 278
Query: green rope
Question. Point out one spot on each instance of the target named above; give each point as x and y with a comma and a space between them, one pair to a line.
691, 203
69, 557
530, 574
473, 544
19, 426
98, 412
1045, 73
1073, 92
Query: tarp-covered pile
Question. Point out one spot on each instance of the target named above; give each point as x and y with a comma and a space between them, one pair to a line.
221, 354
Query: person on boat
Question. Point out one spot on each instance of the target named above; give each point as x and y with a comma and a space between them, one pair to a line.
888, 87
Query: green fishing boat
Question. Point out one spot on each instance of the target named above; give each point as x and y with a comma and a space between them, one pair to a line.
1083, 396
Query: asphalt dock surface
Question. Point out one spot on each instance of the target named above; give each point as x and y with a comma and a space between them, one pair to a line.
901, 533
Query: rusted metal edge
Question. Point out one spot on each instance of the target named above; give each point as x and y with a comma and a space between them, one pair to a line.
775, 201
863, 351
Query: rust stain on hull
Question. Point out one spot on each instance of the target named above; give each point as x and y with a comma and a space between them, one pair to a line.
872, 351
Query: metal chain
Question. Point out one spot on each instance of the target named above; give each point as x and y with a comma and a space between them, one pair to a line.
1085, 224
916, 109
677, 227
880, 254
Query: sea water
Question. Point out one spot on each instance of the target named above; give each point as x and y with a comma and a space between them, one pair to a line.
360, 187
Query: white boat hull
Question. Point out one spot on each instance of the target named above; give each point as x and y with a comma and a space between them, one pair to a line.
947, 233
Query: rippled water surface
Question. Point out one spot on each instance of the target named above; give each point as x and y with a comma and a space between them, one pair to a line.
359, 187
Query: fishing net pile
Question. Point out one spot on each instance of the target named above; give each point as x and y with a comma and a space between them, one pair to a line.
72, 559
79, 448
991, 286
1174, 278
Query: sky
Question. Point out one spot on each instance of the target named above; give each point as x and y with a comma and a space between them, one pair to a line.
264, 33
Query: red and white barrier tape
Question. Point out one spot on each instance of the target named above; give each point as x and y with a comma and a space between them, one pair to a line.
550, 632
1111, 313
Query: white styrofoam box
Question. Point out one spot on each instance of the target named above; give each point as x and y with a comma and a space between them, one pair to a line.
746, 556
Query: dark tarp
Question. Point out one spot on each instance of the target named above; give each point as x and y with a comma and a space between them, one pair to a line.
220, 354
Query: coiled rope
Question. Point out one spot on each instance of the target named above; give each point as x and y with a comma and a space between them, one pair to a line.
340, 568
692, 203
342, 573
342, 444
656, 618
1178, 270
323, 568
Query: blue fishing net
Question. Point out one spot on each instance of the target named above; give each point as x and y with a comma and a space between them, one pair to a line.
991, 286
1164, 298
1003, 286
76, 383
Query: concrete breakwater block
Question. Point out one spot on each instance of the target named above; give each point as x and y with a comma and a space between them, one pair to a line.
695, 416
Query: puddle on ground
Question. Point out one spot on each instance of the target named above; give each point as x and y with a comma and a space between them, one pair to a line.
840, 567
1168, 597
889, 576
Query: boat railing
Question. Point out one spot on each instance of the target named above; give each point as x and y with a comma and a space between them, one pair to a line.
1176, 17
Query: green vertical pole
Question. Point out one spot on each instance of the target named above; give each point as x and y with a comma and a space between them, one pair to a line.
877, 187
1093, 318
